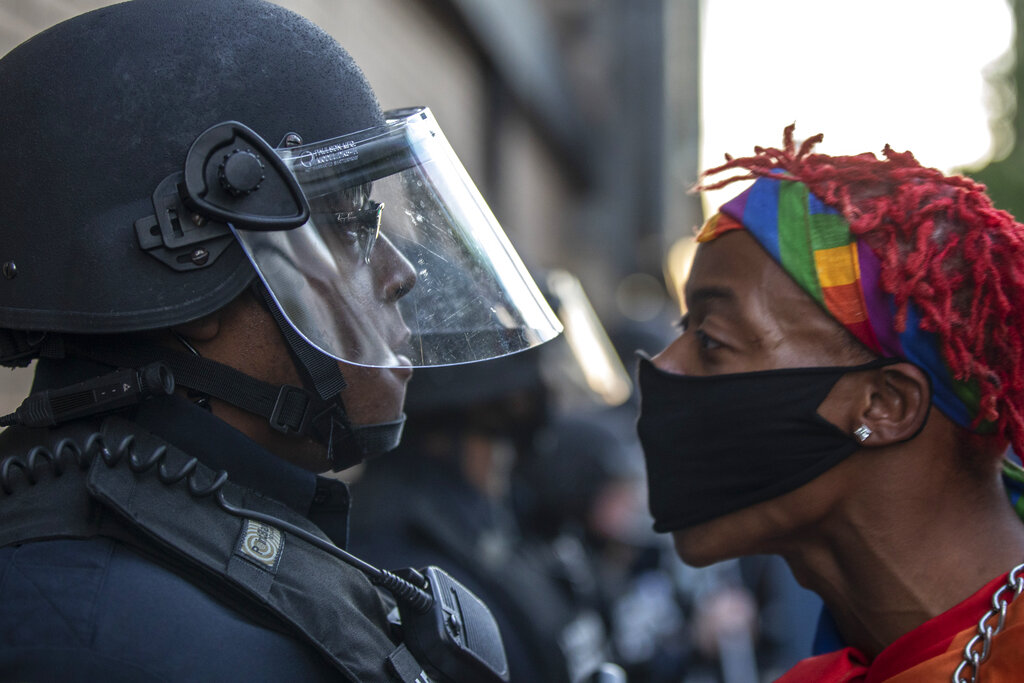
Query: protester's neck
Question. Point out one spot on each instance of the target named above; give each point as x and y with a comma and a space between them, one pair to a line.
910, 544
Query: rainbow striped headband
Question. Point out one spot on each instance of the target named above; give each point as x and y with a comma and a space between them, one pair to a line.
813, 244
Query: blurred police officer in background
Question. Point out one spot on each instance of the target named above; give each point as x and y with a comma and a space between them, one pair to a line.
470, 430
227, 260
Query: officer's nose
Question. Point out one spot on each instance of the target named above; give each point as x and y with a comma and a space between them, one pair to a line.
392, 269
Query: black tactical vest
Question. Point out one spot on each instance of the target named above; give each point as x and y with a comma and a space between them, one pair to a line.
118, 481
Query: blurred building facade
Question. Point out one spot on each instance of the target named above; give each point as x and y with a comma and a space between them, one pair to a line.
576, 118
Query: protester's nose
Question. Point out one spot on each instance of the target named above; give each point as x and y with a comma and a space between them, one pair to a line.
672, 358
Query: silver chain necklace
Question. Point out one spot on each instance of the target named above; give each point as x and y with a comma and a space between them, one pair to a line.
980, 646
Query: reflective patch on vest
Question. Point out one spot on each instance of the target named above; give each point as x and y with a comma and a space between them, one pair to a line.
261, 544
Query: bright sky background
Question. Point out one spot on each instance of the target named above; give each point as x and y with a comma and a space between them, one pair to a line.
864, 73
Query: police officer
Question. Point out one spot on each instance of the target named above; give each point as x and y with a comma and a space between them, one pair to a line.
227, 260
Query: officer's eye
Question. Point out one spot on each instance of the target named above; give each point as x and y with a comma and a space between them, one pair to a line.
352, 227
361, 227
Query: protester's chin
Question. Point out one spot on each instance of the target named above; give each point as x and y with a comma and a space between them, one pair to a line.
690, 550
706, 543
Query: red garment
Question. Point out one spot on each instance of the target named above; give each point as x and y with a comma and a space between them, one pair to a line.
931, 652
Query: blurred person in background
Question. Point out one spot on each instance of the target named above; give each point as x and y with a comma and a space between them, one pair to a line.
468, 430
579, 501
580, 493
447, 487
848, 377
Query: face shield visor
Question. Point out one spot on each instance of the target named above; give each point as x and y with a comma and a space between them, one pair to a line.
401, 262
582, 370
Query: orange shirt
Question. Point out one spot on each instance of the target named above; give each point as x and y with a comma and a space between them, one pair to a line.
931, 652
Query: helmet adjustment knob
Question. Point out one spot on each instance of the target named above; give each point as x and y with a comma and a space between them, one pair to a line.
225, 166
241, 172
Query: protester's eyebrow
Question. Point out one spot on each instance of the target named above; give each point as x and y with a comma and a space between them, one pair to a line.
709, 293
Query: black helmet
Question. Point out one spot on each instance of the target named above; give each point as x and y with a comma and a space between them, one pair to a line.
107, 106
173, 151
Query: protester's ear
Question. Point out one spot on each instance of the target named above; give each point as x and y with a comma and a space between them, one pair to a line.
897, 404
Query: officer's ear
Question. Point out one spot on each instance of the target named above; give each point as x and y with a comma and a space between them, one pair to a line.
241, 322
896, 402
201, 330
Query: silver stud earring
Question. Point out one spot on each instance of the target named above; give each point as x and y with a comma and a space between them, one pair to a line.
862, 433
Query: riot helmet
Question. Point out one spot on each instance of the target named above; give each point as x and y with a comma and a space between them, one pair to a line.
177, 152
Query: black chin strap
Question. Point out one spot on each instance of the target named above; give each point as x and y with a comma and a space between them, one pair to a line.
319, 415
322, 372
288, 409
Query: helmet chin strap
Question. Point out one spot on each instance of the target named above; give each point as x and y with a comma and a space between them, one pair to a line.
347, 444
320, 416
360, 442
288, 409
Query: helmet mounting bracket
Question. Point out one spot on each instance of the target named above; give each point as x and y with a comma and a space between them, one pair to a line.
225, 180
175, 235
232, 175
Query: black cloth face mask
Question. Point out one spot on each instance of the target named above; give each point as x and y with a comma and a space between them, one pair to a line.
719, 443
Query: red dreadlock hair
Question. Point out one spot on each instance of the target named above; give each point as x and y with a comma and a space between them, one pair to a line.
942, 246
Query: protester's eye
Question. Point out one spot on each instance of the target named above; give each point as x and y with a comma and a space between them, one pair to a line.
704, 340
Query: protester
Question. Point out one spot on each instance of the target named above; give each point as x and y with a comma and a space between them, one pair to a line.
846, 382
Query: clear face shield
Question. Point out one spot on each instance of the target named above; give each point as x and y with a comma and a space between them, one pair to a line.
585, 371
401, 262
